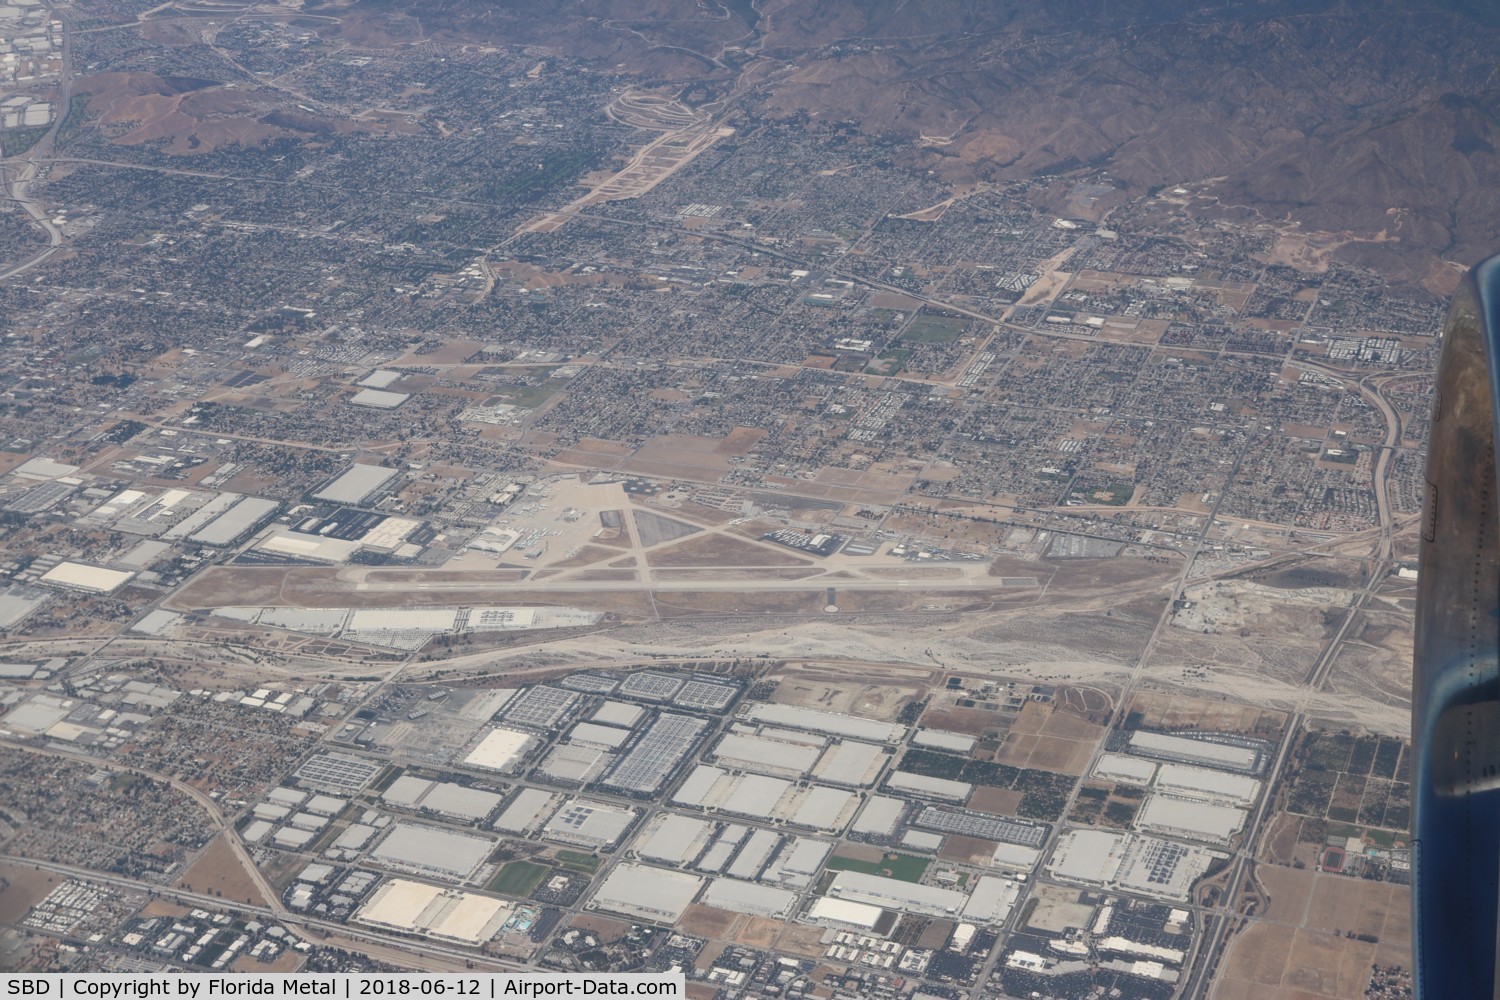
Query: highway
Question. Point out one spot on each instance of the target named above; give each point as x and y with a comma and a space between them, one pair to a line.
413, 952
221, 822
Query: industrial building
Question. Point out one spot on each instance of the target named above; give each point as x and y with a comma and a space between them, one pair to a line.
1015, 858
86, 578
432, 851
243, 517
674, 839
1123, 767
1190, 751
843, 912
937, 739
574, 764
798, 862
713, 788
1147, 865
526, 812
500, 750
831, 723
909, 897
444, 914
379, 399
380, 378
943, 789
541, 707
759, 848
590, 824
1091, 857
880, 817
338, 772
647, 893
1211, 786
1190, 818
443, 797
593, 734
651, 686
644, 768
42, 469
851, 763
1162, 868
990, 900
618, 713
749, 897
819, 807
357, 484
770, 756
283, 541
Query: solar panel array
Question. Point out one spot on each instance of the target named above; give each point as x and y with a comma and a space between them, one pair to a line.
663, 746
339, 771
706, 695
651, 685
541, 707
969, 824
592, 683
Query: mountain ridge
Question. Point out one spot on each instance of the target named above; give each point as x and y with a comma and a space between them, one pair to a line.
1321, 115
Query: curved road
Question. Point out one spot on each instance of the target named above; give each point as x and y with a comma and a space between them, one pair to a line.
221, 822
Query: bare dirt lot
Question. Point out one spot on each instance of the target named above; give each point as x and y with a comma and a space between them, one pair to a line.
218, 872
721, 550
875, 701
1178, 711
706, 921
24, 888
1299, 947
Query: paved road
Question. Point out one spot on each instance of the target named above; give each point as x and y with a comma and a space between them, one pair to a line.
221, 822
16, 175
413, 952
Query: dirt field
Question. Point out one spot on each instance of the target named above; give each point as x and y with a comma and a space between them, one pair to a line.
758, 932
1280, 842
1175, 711
24, 888
218, 872
1054, 741
584, 556
872, 701
995, 801
1052, 753
801, 939
971, 850
1058, 909
1270, 962
708, 922
969, 721
1298, 947
721, 550
860, 852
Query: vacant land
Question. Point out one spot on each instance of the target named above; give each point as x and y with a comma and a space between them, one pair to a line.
1308, 943
23, 889
218, 872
